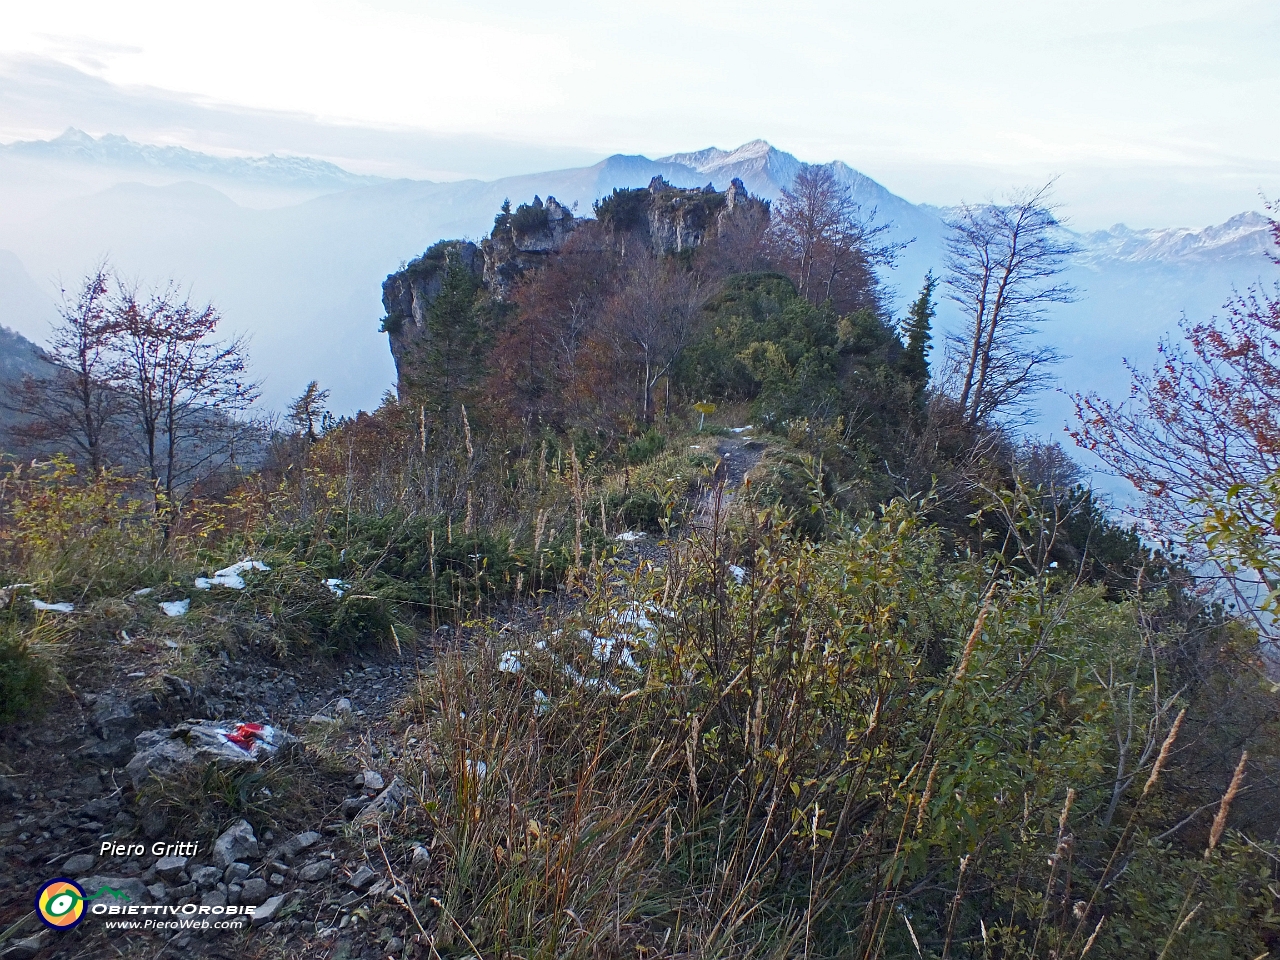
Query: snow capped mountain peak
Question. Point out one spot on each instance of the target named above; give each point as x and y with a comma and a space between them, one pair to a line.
1244, 235
713, 158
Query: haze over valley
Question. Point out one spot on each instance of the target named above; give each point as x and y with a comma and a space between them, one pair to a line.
294, 250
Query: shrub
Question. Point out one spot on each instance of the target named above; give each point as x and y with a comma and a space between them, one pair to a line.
623, 209
864, 745
85, 537
23, 677
529, 218
646, 446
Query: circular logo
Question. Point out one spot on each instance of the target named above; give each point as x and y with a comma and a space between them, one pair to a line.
60, 903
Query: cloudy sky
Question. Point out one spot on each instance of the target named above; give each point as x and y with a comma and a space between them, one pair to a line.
1154, 113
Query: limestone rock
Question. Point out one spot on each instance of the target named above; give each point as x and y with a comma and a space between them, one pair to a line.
237, 842
170, 868
268, 911
161, 753
254, 892
80, 863
387, 803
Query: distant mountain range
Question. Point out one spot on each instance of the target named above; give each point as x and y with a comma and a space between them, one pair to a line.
110, 150
294, 250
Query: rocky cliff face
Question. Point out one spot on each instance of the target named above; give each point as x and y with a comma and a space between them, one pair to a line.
671, 219
407, 295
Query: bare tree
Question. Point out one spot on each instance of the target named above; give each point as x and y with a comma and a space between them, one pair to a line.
185, 392
1003, 263
73, 406
829, 246
653, 318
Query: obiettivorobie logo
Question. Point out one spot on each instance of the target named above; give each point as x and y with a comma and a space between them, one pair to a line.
60, 902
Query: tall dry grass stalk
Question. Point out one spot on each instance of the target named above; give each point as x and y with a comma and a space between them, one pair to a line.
978, 623
1220, 821
1163, 756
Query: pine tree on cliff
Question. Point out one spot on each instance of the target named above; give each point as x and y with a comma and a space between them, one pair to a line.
919, 328
453, 354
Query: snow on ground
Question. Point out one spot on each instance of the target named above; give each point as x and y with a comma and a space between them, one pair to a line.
176, 608
53, 607
229, 577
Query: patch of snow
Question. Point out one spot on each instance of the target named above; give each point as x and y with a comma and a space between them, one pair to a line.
509, 662
602, 649
176, 608
144, 592
631, 536
229, 577
635, 616
738, 573
740, 429
477, 768
587, 683
337, 587
53, 607
541, 703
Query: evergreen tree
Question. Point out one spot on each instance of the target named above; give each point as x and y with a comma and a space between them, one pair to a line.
308, 412
455, 341
919, 326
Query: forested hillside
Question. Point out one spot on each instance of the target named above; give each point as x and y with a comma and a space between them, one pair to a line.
19, 358
682, 599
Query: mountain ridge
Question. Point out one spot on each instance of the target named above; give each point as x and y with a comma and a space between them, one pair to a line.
74, 145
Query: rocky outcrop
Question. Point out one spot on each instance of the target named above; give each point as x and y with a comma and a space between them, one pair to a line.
522, 241
680, 218
673, 220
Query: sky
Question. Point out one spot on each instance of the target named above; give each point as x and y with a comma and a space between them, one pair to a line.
1151, 113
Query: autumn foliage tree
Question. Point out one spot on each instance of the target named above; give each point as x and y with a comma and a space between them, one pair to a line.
828, 244
184, 392
1200, 436
139, 381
